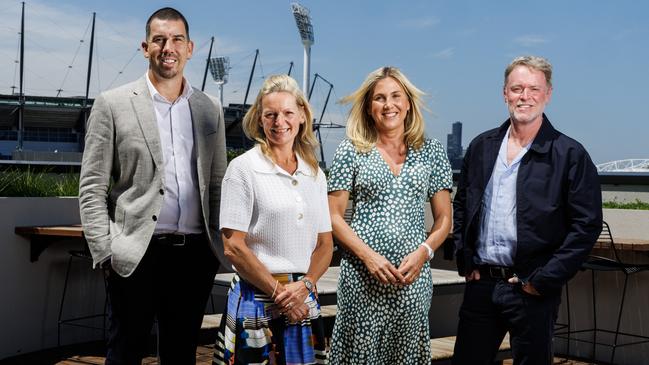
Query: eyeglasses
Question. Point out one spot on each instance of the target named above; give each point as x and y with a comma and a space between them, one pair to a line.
531, 90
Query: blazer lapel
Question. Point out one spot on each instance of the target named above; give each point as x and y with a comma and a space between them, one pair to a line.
201, 110
143, 106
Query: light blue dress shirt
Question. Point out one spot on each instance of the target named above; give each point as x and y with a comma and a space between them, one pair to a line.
497, 237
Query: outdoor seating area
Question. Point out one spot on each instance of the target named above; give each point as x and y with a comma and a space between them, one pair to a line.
607, 258
587, 311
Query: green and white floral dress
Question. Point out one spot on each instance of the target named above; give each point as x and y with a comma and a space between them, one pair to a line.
380, 323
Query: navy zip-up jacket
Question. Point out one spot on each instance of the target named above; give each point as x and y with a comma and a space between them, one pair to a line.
558, 206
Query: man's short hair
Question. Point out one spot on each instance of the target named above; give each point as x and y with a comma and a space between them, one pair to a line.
166, 14
533, 62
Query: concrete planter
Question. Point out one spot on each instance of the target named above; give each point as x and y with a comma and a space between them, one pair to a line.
628, 223
31, 292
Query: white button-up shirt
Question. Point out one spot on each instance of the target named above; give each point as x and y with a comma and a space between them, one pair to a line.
181, 207
281, 213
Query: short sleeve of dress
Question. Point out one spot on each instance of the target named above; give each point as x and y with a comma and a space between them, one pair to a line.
342, 171
237, 197
441, 176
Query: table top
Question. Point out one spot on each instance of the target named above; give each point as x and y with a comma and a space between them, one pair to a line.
328, 283
76, 231
72, 230
627, 244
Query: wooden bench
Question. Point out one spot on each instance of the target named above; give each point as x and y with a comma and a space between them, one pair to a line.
211, 321
441, 350
328, 311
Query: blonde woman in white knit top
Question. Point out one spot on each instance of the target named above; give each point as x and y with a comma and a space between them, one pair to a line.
277, 233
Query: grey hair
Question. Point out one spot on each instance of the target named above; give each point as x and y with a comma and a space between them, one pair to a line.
533, 62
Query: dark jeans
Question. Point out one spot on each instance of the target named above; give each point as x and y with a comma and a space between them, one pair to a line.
493, 307
171, 284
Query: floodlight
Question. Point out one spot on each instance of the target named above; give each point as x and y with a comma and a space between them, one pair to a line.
220, 69
303, 22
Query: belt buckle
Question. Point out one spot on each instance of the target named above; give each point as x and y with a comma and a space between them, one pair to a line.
497, 272
183, 240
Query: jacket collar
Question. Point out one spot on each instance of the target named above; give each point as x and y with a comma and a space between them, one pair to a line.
543, 139
262, 164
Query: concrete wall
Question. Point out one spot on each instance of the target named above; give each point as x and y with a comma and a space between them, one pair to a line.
31, 292
625, 193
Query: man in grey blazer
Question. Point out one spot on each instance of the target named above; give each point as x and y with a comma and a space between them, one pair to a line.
149, 191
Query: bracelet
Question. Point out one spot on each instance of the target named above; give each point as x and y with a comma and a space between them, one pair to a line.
431, 253
274, 289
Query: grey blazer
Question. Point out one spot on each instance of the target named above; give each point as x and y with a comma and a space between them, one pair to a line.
122, 176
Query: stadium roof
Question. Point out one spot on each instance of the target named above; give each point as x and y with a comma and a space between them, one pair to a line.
630, 165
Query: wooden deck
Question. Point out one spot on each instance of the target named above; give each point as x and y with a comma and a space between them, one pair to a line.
557, 361
203, 357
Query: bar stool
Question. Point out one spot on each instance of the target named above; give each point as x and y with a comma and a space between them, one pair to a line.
79, 321
610, 263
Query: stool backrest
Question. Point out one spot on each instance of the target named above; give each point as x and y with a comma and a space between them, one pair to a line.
605, 242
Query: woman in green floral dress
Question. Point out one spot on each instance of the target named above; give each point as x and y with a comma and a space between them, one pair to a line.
390, 170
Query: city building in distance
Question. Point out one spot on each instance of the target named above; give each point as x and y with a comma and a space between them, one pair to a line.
454, 148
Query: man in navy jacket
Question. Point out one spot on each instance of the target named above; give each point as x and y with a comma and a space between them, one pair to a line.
527, 213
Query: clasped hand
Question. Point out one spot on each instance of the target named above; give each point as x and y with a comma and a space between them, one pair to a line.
406, 274
290, 301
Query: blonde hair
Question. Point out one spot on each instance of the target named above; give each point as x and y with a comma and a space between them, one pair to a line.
305, 142
360, 124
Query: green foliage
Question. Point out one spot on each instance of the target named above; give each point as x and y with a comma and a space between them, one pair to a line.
30, 183
232, 153
639, 205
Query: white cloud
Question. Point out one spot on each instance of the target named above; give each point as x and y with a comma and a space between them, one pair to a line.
445, 53
530, 40
420, 23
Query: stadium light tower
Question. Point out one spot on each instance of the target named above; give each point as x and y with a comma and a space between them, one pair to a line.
220, 69
303, 21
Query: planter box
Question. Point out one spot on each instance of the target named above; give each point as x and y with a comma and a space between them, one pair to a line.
628, 223
31, 292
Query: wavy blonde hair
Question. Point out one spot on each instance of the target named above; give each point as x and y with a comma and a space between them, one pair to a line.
360, 124
305, 142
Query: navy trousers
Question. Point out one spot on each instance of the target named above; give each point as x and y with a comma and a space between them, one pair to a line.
171, 284
493, 307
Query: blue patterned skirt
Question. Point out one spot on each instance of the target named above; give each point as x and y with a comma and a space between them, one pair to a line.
254, 332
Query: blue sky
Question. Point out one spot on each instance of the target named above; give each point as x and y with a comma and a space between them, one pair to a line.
455, 51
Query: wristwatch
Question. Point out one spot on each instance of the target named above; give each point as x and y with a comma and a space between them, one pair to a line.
308, 284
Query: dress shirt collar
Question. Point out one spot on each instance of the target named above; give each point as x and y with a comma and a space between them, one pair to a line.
262, 164
544, 137
502, 153
187, 90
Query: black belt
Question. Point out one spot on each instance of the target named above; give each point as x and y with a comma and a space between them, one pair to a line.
176, 239
496, 272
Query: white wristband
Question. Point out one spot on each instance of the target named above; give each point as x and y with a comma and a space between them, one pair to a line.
431, 253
